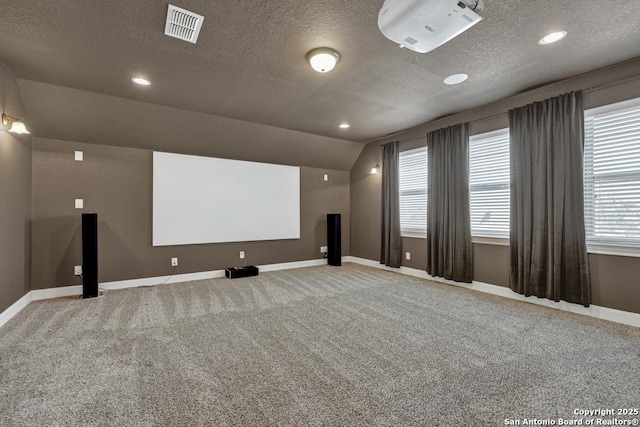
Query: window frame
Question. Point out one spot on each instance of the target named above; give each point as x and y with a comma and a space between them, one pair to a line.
419, 234
603, 245
488, 238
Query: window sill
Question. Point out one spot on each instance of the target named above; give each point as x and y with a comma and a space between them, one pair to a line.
629, 251
414, 235
498, 241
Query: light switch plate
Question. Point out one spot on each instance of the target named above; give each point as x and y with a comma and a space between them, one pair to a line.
79, 156
325, 178
79, 203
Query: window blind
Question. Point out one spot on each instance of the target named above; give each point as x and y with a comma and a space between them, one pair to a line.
612, 174
413, 192
489, 182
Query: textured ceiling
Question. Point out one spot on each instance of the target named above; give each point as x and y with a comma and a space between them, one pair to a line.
249, 62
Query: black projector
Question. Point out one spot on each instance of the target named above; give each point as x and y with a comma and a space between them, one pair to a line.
238, 272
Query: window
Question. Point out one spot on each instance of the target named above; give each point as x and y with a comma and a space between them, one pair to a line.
413, 192
612, 175
489, 181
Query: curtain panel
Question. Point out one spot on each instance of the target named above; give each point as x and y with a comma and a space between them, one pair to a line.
450, 251
547, 238
391, 247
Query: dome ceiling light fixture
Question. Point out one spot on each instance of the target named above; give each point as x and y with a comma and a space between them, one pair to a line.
323, 59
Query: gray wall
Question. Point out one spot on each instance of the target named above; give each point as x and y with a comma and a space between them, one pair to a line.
15, 197
67, 114
615, 279
116, 183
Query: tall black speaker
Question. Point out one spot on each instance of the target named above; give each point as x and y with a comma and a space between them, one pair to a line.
89, 255
333, 240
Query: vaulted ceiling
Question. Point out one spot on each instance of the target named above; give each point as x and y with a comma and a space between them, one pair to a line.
249, 62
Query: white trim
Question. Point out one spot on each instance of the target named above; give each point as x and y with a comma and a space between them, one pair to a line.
296, 264
619, 316
63, 291
617, 250
483, 240
605, 313
214, 274
160, 280
15, 308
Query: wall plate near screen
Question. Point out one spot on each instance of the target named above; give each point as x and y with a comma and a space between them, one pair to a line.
209, 200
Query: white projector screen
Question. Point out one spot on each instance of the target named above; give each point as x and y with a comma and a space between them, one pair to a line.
209, 200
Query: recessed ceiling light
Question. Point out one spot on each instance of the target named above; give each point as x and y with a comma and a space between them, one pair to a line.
455, 79
552, 37
141, 81
345, 126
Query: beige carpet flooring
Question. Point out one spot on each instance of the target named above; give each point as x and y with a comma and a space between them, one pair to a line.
337, 346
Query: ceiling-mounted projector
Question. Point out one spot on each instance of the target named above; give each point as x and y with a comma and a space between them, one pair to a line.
423, 25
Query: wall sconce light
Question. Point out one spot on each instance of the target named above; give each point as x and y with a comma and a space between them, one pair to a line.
16, 125
375, 170
323, 59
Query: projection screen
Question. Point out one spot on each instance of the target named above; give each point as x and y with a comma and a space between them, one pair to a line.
210, 200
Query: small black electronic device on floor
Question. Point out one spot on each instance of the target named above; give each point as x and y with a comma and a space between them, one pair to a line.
237, 272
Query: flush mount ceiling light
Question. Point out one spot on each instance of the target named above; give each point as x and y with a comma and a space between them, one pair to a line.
552, 37
141, 81
323, 59
345, 126
455, 79
16, 125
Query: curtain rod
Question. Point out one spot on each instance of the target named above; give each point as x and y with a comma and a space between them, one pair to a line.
493, 116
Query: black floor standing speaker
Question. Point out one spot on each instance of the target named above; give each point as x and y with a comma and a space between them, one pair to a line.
89, 255
333, 240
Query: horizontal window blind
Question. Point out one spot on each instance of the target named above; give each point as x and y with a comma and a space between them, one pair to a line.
612, 174
413, 192
489, 181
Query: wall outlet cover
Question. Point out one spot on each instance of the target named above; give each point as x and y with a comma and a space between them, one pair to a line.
241, 254
77, 270
174, 262
79, 203
407, 255
78, 156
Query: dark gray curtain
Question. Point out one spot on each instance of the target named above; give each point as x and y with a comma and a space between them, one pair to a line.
548, 249
390, 253
450, 252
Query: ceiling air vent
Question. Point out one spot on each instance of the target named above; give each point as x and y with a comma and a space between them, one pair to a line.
182, 24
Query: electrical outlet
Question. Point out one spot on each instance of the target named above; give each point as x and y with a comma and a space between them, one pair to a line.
174, 262
77, 270
241, 254
407, 255
325, 177
323, 249
79, 203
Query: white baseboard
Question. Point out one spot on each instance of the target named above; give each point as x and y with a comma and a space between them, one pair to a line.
15, 308
290, 265
605, 313
214, 274
162, 280
65, 291
619, 316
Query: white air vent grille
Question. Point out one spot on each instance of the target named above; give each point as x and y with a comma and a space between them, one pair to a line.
182, 24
